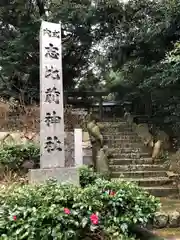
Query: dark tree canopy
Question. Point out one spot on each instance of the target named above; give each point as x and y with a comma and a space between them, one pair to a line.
129, 48
83, 26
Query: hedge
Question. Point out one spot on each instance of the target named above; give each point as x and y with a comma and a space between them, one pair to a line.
60, 211
98, 209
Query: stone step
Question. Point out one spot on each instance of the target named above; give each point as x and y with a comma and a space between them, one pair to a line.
162, 191
122, 144
116, 133
128, 161
113, 120
137, 167
148, 182
121, 138
114, 124
139, 174
133, 150
120, 128
130, 155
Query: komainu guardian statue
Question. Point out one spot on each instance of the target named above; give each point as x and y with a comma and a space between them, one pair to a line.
96, 139
102, 163
161, 143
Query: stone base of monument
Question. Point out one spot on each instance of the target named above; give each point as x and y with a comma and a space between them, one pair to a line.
62, 175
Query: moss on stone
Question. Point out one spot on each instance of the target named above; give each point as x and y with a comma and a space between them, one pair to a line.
173, 233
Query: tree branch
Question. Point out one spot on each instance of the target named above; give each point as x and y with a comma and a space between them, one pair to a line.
40, 4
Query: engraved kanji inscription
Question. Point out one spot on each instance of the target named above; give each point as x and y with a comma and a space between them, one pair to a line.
52, 72
52, 95
52, 52
56, 34
50, 33
52, 118
52, 144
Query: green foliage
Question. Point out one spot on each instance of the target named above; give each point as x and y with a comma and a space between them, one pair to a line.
130, 46
144, 59
133, 47
83, 25
13, 156
88, 176
53, 211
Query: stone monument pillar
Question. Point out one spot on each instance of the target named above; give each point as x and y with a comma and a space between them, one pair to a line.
52, 160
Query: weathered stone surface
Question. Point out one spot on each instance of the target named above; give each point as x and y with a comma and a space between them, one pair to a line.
28, 164
136, 167
174, 219
161, 220
175, 162
62, 175
18, 137
131, 160
51, 97
69, 149
161, 191
167, 219
139, 174
86, 140
131, 155
3, 136
142, 131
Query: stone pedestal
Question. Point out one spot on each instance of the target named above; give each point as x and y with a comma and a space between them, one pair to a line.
62, 175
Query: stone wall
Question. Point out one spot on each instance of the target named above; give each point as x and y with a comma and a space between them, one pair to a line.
33, 137
167, 219
17, 117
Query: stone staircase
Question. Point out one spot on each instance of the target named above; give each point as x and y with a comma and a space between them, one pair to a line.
131, 160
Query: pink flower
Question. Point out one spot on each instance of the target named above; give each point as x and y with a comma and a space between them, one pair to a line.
112, 193
14, 218
94, 219
67, 211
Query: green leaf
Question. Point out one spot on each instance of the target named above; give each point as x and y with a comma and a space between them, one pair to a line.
84, 222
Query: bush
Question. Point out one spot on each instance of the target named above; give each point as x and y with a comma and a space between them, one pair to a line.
13, 156
53, 211
88, 176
